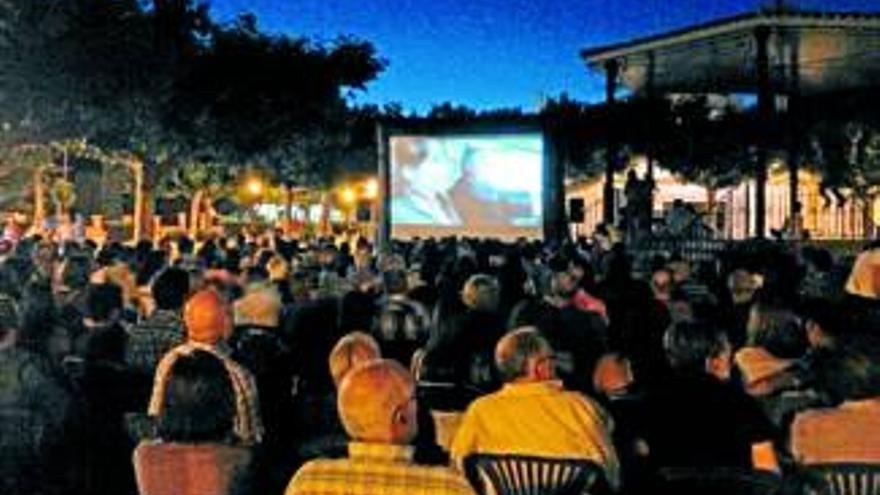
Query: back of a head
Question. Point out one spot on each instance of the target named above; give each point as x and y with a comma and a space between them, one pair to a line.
513, 351
481, 292
776, 329
199, 400
207, 317
661, 282
9, 315
38, 314
151, 262
278, 268
851, 371
689, 344
170, 289
352, 350
103, 301
260, 306
371, 398
76, 271
394, 281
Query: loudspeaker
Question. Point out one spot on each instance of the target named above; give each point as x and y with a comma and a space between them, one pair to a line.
576, 210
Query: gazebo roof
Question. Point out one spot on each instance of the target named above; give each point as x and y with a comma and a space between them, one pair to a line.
833, 51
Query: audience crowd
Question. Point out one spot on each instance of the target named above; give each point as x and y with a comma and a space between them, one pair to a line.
271, 365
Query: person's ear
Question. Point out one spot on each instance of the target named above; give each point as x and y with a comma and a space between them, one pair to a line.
542, 368
719, 366
400, 416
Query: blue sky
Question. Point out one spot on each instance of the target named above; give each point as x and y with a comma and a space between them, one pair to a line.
490, 53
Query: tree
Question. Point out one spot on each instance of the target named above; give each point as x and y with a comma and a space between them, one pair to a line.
842, 141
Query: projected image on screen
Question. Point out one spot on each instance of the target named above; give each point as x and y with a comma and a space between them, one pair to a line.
472, 184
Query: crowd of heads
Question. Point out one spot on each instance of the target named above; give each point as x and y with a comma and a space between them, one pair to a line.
475, 313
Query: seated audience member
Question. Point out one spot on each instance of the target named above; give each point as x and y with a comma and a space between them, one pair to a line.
742, 286
325, 436
279, 275
208, 325
582, 336
776, 341
70, 294
402, 324
351, 351
696, 418
196, 451
162, 330
825, 322
661, 285
104, 338
850, 432
36, 414
460, 351
256, 341
533, 414
378, 409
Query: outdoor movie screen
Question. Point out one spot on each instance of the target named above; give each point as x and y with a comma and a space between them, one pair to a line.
468, 185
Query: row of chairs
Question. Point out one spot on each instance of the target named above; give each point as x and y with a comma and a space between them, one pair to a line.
526, 475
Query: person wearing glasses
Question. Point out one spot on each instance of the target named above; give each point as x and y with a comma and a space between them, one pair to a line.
377, 405
533, 414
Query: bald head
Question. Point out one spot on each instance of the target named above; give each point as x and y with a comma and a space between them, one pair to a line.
207, 317
351, 351
376, 403
524, 355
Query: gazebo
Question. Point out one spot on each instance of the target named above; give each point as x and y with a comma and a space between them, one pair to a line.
780, 55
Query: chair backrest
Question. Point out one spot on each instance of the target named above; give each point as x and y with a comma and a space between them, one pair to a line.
506, 474
718, 481
844, 479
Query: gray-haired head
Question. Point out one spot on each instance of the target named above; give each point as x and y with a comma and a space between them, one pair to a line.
520, 352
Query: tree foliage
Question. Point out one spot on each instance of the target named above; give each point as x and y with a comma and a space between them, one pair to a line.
163, 81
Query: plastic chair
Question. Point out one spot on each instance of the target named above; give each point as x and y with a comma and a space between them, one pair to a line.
506, 474
843, 479
718, 481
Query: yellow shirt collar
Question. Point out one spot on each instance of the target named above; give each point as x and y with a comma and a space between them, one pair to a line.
380, 452
531, 388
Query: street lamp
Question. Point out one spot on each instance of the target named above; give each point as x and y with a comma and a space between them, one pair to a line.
371, 189
255, 186
349, 196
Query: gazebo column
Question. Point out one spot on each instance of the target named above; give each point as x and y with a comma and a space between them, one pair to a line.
653, 117
651, 94
765, 116
612, 70
793, 129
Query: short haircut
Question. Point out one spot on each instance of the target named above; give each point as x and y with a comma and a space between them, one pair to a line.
394, 281
38, 314
170, 288
349, 352
689, 344
199, 400
9, 315
478, 290
852, 370
185, 245
102, 300
369, 395
76, 271
776, 329
514, 350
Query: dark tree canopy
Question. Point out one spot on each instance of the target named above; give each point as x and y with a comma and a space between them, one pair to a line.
164, 80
